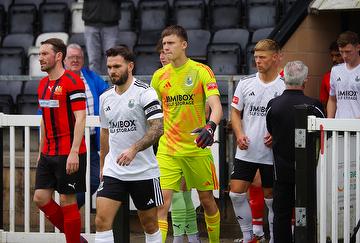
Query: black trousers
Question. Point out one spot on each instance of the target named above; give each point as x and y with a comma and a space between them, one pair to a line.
283, 204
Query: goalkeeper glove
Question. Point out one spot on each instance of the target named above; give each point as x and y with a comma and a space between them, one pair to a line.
206, 135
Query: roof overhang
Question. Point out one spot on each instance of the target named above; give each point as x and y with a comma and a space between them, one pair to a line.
330, 5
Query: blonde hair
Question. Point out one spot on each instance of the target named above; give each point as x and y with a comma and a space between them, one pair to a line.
267, 45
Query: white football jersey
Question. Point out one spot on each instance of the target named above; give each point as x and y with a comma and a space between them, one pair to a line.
252, 96
345, 85
126, 118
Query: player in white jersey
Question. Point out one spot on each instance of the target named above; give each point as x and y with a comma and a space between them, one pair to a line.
131, 122
344, 99
253, 141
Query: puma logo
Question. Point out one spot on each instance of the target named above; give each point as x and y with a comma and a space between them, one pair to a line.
72, 185
177, 226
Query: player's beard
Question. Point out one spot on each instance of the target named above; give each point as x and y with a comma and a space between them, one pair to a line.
122, 79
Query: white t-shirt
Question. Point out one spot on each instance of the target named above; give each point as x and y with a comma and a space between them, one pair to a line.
252, 96
345, 85
126, 118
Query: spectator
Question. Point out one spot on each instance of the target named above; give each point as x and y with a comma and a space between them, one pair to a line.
344, 99
101, 29
280, 122
94, 87
325, 83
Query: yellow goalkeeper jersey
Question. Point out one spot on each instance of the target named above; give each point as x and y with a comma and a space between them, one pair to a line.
183, 92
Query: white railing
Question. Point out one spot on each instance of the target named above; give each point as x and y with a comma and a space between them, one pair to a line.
338, 177
28, 121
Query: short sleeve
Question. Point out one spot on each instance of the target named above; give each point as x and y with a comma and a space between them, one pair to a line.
154, 84
332, 83
103, 120
150, 102
238, 101
76, 92
208, 80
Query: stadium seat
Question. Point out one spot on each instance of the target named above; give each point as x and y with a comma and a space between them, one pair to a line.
9, 90
6, 104
34, 65
127, 13
22, 18
225, 14
153, 14
127, 38
6, 4
11, 87
250, 63
35, 2
77, 24
44, 36
27, 104
18, 40
261, 34
149, 37
68, 2
197, 44
239, 36
77, 38
12, 61
190, 14
224, 59
146, 59
267, 9
54, 17
2, 20
223, 87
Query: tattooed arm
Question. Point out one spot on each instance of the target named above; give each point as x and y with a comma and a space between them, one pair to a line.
153, 133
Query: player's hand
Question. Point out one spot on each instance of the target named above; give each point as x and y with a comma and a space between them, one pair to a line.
206, 135
72, 163
125, 158
268, 140
243, 142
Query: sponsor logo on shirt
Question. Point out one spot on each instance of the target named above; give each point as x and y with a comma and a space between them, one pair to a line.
185, 99
347, 95
211, 86
235, 100
122, 126
257, 110
49, 103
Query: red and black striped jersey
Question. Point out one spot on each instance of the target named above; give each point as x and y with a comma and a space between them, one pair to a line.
58, 99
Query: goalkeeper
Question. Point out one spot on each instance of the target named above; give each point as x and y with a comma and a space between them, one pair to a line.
183, 87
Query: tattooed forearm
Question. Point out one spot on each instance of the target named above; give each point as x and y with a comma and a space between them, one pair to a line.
156, 129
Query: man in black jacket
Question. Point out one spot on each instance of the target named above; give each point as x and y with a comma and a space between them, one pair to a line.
101, 20
280, 122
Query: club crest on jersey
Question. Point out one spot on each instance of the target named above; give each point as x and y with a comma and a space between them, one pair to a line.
276, 94
357, 79
131, 103
189, 81
58, 90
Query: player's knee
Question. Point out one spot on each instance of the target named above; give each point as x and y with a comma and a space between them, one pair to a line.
150, 226
102, 223
39, 199
208, 202
162, 211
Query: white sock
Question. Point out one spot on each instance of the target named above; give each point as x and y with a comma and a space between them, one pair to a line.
243, 214
269, 202
178, 239
258, 229
194, 238
153, 238
104, 237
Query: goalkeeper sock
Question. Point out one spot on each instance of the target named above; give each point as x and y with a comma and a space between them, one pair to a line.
178, 213
191, 223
